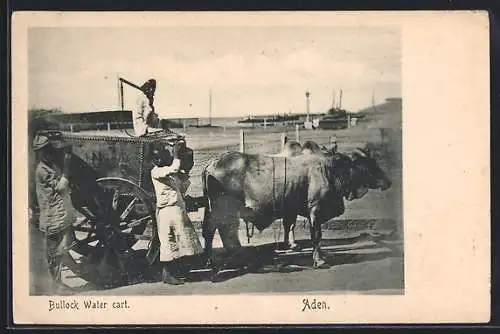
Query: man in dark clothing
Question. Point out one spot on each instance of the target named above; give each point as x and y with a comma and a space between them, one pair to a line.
56, 212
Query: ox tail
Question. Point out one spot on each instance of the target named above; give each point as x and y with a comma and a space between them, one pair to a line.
206, 202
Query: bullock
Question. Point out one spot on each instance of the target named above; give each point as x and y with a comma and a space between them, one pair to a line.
260, 189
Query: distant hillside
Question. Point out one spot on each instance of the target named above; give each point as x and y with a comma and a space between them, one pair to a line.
384, 115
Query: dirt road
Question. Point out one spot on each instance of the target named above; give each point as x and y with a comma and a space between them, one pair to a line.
361, 263
383, 276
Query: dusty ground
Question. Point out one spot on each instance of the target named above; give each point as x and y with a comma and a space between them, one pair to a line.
361, 263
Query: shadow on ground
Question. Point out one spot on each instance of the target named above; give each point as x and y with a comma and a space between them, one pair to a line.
261, 259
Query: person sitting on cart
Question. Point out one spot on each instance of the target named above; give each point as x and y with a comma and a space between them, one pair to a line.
56, 212
175, 231
145, 118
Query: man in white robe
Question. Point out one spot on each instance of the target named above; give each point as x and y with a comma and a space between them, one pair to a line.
145, 118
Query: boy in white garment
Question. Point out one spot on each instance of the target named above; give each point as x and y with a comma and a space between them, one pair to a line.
175, 231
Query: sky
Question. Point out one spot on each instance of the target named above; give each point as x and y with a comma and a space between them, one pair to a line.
250, 70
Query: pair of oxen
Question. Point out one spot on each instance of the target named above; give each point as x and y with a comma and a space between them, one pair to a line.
303, 180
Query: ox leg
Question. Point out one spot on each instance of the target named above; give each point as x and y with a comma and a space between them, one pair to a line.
289, 222
232, 245
208, 233
316, 234
208, 236
225, 218
235, 257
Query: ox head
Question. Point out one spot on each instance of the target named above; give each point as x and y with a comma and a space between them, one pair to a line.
366, 174
311, 147
292, 148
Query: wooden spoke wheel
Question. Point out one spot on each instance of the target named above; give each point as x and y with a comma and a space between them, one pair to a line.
107, 243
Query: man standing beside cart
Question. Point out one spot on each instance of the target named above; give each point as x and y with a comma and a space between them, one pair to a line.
56, 212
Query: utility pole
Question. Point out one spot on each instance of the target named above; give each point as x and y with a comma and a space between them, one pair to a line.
307, 105
340, 100
210, 107
375, 116
333, 100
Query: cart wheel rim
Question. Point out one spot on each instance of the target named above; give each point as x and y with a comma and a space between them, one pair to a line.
98, 258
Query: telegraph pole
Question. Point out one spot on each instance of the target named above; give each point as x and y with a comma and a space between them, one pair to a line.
375, 116
210, 107
307, 105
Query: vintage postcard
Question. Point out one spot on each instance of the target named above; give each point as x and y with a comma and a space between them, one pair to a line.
250, 167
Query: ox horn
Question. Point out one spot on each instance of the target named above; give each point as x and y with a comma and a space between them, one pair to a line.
361, 152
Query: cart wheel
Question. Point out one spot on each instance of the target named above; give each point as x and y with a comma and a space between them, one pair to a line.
105, 256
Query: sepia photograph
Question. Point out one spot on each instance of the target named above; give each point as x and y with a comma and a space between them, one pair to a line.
196, 159
288, 170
